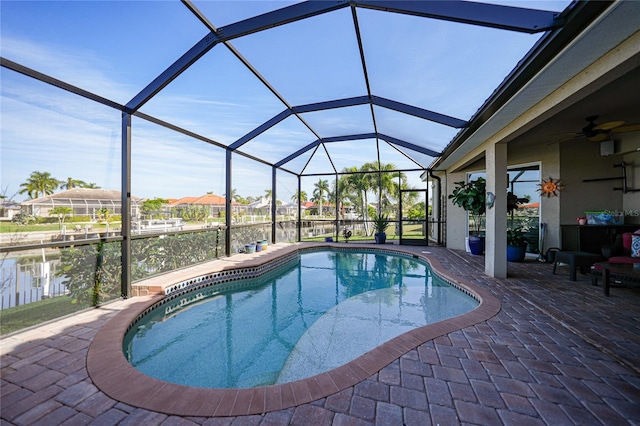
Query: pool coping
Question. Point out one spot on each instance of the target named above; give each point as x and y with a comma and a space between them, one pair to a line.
112, 374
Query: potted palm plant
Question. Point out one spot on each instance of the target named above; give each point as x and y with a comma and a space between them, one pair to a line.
380, 224
516, 245
471, 197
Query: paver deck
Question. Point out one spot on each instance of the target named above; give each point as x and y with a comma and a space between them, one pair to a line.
558, 352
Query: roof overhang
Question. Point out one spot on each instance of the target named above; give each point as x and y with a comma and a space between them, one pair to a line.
560, 56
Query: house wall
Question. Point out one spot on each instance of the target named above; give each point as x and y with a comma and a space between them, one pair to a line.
580, 160
549, 207
631, 200
456, 230
570, 161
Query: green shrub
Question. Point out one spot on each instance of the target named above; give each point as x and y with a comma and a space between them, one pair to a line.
79, 218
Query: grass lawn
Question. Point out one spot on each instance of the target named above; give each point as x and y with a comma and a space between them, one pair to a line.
23, 316
10, 227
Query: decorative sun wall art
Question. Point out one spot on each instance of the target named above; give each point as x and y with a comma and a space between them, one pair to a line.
550, 187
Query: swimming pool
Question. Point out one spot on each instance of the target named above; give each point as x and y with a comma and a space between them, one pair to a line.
312, 314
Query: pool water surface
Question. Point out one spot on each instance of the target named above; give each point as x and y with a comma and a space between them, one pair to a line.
316, 313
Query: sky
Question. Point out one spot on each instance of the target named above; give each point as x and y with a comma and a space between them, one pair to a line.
115, 48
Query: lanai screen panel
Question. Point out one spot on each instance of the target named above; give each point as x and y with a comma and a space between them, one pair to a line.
217, 97
402, 158
113, 49
447, 67
341, 121
408, 128
279, 141
168, 164
53, 139
297, 164
287, 189
250, 178
312, 60
348, 154
319, 162
225, 12
423, 160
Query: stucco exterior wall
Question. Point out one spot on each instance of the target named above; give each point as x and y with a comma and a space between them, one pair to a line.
456, 230
631, 200
580, 160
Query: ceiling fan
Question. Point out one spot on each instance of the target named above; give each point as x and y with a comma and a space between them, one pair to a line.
600, 132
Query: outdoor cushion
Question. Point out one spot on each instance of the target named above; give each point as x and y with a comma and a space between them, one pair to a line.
635, 246
626, 241
623, 259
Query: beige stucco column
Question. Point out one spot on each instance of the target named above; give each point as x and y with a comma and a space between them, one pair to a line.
495, 261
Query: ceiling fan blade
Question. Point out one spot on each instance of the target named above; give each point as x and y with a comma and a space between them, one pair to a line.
627, 128
598, 137
609, 125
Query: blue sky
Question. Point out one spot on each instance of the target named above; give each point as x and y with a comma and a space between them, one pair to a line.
116, 48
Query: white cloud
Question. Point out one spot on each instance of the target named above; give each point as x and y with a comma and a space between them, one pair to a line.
72, 65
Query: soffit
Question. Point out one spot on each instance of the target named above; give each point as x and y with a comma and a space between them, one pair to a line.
616, 25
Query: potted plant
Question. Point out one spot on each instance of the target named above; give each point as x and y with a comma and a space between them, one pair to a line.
346, 233
380, 224
516, 245
471, 197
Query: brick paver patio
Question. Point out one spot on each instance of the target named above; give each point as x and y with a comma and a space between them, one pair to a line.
559, 352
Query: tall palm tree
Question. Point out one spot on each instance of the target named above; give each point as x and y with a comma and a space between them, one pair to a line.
387, 184
39, 183
91, 185
355, 186
301, 198
321, 187
72, 183
233, 195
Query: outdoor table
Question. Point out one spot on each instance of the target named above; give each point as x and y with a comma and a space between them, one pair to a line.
628, 269
575, 259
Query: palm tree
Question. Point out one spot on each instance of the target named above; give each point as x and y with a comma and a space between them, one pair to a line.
61, 213
387, 184
39, 183
91, 185
72, 183
104, 213
301, 198
233, 195
321, 187
357, 185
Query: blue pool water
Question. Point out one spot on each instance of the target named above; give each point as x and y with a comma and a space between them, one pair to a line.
311, 315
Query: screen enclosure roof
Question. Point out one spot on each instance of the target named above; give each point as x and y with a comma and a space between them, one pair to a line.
311, 87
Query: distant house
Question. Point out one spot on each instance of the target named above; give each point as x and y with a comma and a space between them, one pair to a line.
214, 204
312, 207
289, 209
8, 208
83, 202
260, 207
